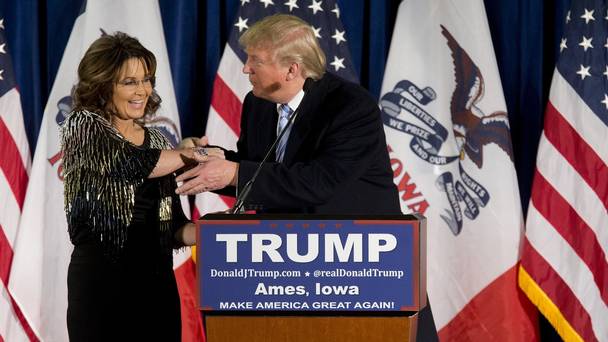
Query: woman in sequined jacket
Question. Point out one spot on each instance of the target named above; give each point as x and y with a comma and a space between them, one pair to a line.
124, 218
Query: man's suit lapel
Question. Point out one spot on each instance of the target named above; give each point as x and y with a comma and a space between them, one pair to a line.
305, 121
265, 133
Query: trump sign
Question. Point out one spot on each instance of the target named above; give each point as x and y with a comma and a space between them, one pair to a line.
266, 263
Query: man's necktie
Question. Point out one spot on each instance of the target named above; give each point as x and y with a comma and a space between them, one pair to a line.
284, 114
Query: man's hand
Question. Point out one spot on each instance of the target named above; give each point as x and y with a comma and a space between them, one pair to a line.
211, 175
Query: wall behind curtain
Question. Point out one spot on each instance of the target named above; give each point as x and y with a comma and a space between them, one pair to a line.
525, 35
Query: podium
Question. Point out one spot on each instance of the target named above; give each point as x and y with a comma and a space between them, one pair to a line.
311, 278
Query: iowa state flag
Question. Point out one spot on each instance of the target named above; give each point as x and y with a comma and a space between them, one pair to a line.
448, 133
38, 280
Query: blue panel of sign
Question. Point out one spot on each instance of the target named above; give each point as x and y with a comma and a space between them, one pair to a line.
308, 265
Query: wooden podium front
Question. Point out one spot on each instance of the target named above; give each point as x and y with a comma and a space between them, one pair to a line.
399, 324
305, 329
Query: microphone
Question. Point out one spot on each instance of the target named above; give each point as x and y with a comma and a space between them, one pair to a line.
240, 200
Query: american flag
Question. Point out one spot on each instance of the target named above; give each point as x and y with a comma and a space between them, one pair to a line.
564, 270
15, 164
231, 85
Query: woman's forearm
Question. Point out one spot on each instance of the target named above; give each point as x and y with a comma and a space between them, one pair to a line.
172, 160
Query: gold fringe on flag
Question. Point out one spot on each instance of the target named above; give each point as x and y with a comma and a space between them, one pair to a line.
539, 298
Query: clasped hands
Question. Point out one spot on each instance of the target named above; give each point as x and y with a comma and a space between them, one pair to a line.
213, 171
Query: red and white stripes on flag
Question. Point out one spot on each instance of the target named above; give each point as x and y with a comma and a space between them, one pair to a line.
15, 163
564, 269
223, 123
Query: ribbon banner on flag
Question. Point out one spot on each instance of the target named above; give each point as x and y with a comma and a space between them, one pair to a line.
449, 140
39, 272
564, 268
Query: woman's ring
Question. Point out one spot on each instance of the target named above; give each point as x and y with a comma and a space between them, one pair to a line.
201, 150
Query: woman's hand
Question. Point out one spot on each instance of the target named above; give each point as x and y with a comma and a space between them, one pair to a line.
201, 151
204, 154
186, 235
193, 142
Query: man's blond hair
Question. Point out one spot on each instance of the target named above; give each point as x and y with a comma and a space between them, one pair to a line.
290, 40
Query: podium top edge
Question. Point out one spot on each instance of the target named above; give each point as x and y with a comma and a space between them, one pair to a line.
248, 217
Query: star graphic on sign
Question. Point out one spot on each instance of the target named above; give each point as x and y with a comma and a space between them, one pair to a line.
584, 72
2, 23
2, 48
317, 32
292, 4
337, 11
588, 16
606, 17
568, 17
242, 24
606, 45
606, 72
307, 274
605, 102
339, 37
586, 43
267, 3
243, 2
315, 6
1, 71
338, 63
563, 45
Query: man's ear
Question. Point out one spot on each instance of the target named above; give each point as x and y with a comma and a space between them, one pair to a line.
293, 71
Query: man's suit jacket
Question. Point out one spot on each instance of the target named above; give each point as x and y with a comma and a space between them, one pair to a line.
336, 160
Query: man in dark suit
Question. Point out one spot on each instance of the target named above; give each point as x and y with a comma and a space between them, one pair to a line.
335, 158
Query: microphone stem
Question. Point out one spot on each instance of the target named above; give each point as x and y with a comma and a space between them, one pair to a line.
240, 200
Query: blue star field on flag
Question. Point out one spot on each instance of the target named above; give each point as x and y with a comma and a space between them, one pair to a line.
322, 15
7, 78
583, 60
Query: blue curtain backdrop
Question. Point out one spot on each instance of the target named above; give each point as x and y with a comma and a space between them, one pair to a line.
525, 35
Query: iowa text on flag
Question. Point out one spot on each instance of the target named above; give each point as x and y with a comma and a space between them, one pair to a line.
449, 140
15, 167
231, 85
564, 268
39, 274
